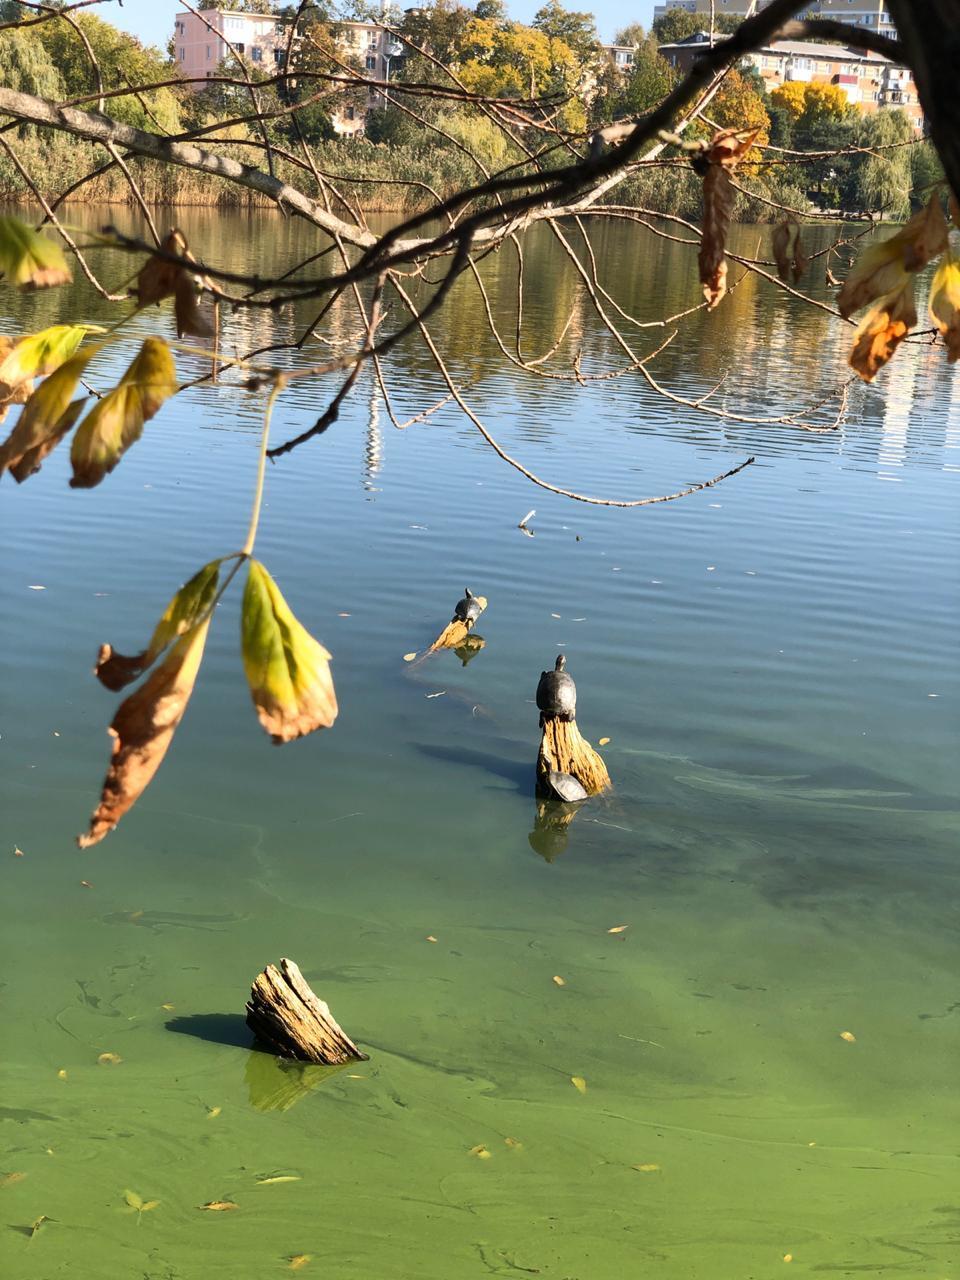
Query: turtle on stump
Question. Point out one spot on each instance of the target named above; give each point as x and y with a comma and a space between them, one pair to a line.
465, 614
566, 762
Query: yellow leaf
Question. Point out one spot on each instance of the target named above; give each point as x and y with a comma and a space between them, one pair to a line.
28, 259
278, 1177
481, 1153
299, 1260
882, 330
618, 928
646, 1168
62, 1073
561, 982
213, 1112
133, 1200
945, 306
42, 353
218, 1206
882, 269
409, 657
37, 1223
117, 421
11, 1179
579, 1083
188, 606
168, 1007
47, 417
431, 938
848, 1036
148, 1205
514, 1143
109, 1059
287, 670
142, 730
603, 742
788, 1257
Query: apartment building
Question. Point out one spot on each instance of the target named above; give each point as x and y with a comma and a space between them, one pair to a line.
201, 41
621, 55
863, 13
376, 51
869, 81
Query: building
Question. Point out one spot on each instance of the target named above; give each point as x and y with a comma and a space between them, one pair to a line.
201, 41
375, 50
869, 81
620, 55
862, 13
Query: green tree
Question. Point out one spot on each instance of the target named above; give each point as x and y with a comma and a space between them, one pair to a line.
576, 30
677, 24
650, 80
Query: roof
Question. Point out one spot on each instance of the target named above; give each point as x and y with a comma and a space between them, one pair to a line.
791, 49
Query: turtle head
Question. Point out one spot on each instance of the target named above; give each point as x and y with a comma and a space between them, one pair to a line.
467, 593
561, 662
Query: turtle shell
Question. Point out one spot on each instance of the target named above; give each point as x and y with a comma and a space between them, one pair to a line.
556, 694
468, 609
562, 786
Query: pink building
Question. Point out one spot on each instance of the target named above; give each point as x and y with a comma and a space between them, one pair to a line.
200, 46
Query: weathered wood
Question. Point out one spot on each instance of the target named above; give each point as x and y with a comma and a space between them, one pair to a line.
563, 749
286, 1015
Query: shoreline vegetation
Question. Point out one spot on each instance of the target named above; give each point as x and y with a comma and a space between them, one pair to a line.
871, 164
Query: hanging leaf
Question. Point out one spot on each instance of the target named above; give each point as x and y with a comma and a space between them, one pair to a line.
160, 279
884, 268
191, 602
882, 330
11, 395
945, 306
717, 162
47, 417
287, 670
788, 250
142, 731
116, 422
41, 353
28, 259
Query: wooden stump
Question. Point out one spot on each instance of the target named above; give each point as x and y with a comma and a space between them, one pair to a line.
286, 1015
563, 749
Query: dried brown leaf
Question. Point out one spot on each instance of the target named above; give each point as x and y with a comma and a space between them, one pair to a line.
884, 269
882, 330
718, 161
142, 730
11, 1179
109, 1059
218, 1206
160, 279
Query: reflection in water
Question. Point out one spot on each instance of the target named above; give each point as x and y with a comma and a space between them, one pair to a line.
373, 446
467, 651
274, 1084
551, 827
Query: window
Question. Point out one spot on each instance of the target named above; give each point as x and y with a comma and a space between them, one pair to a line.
182, 58
256, 54
209, 53
351, 113
278, 57
371, 64
239, 46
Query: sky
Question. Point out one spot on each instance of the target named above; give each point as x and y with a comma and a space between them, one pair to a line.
152, 20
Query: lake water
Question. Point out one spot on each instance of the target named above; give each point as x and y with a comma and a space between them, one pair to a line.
774, 663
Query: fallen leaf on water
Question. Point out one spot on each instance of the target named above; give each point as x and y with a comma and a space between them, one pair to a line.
409, 657
513, 1143
579, 1083
618, 928
62, 1073
86, 884
11, 1179
218, 1206
480, 1152
848, 1036
133, 1200
278, 1177
555, 615
436, 695
169, 1007
134, 916
561, 982
35, 587
788, 1257
431, 938
646, 1168
106, 1059
37, 1223
213, 1112
343, 615
17, 853
603, 741
811, 1144
299, 1260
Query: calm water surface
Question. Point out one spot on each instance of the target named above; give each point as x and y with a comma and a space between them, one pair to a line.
774, 662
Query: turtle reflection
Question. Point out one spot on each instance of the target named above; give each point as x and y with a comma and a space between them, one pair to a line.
467, 651
551, 827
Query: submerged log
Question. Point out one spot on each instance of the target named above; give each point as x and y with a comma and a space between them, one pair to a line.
465, 615
293, 1021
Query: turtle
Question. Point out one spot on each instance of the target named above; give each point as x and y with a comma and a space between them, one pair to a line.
468, 609
561, 786
556, 693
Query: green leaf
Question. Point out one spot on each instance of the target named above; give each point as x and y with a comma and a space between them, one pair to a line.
287, 670
116, 422
40, 353
47, 417
191, 602
28, 259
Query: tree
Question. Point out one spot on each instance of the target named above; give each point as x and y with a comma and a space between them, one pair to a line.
393, 284
577, 31
678, 24
632, 34
650, 79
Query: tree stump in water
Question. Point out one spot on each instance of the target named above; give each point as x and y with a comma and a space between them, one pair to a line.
563, 749
286, 1015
